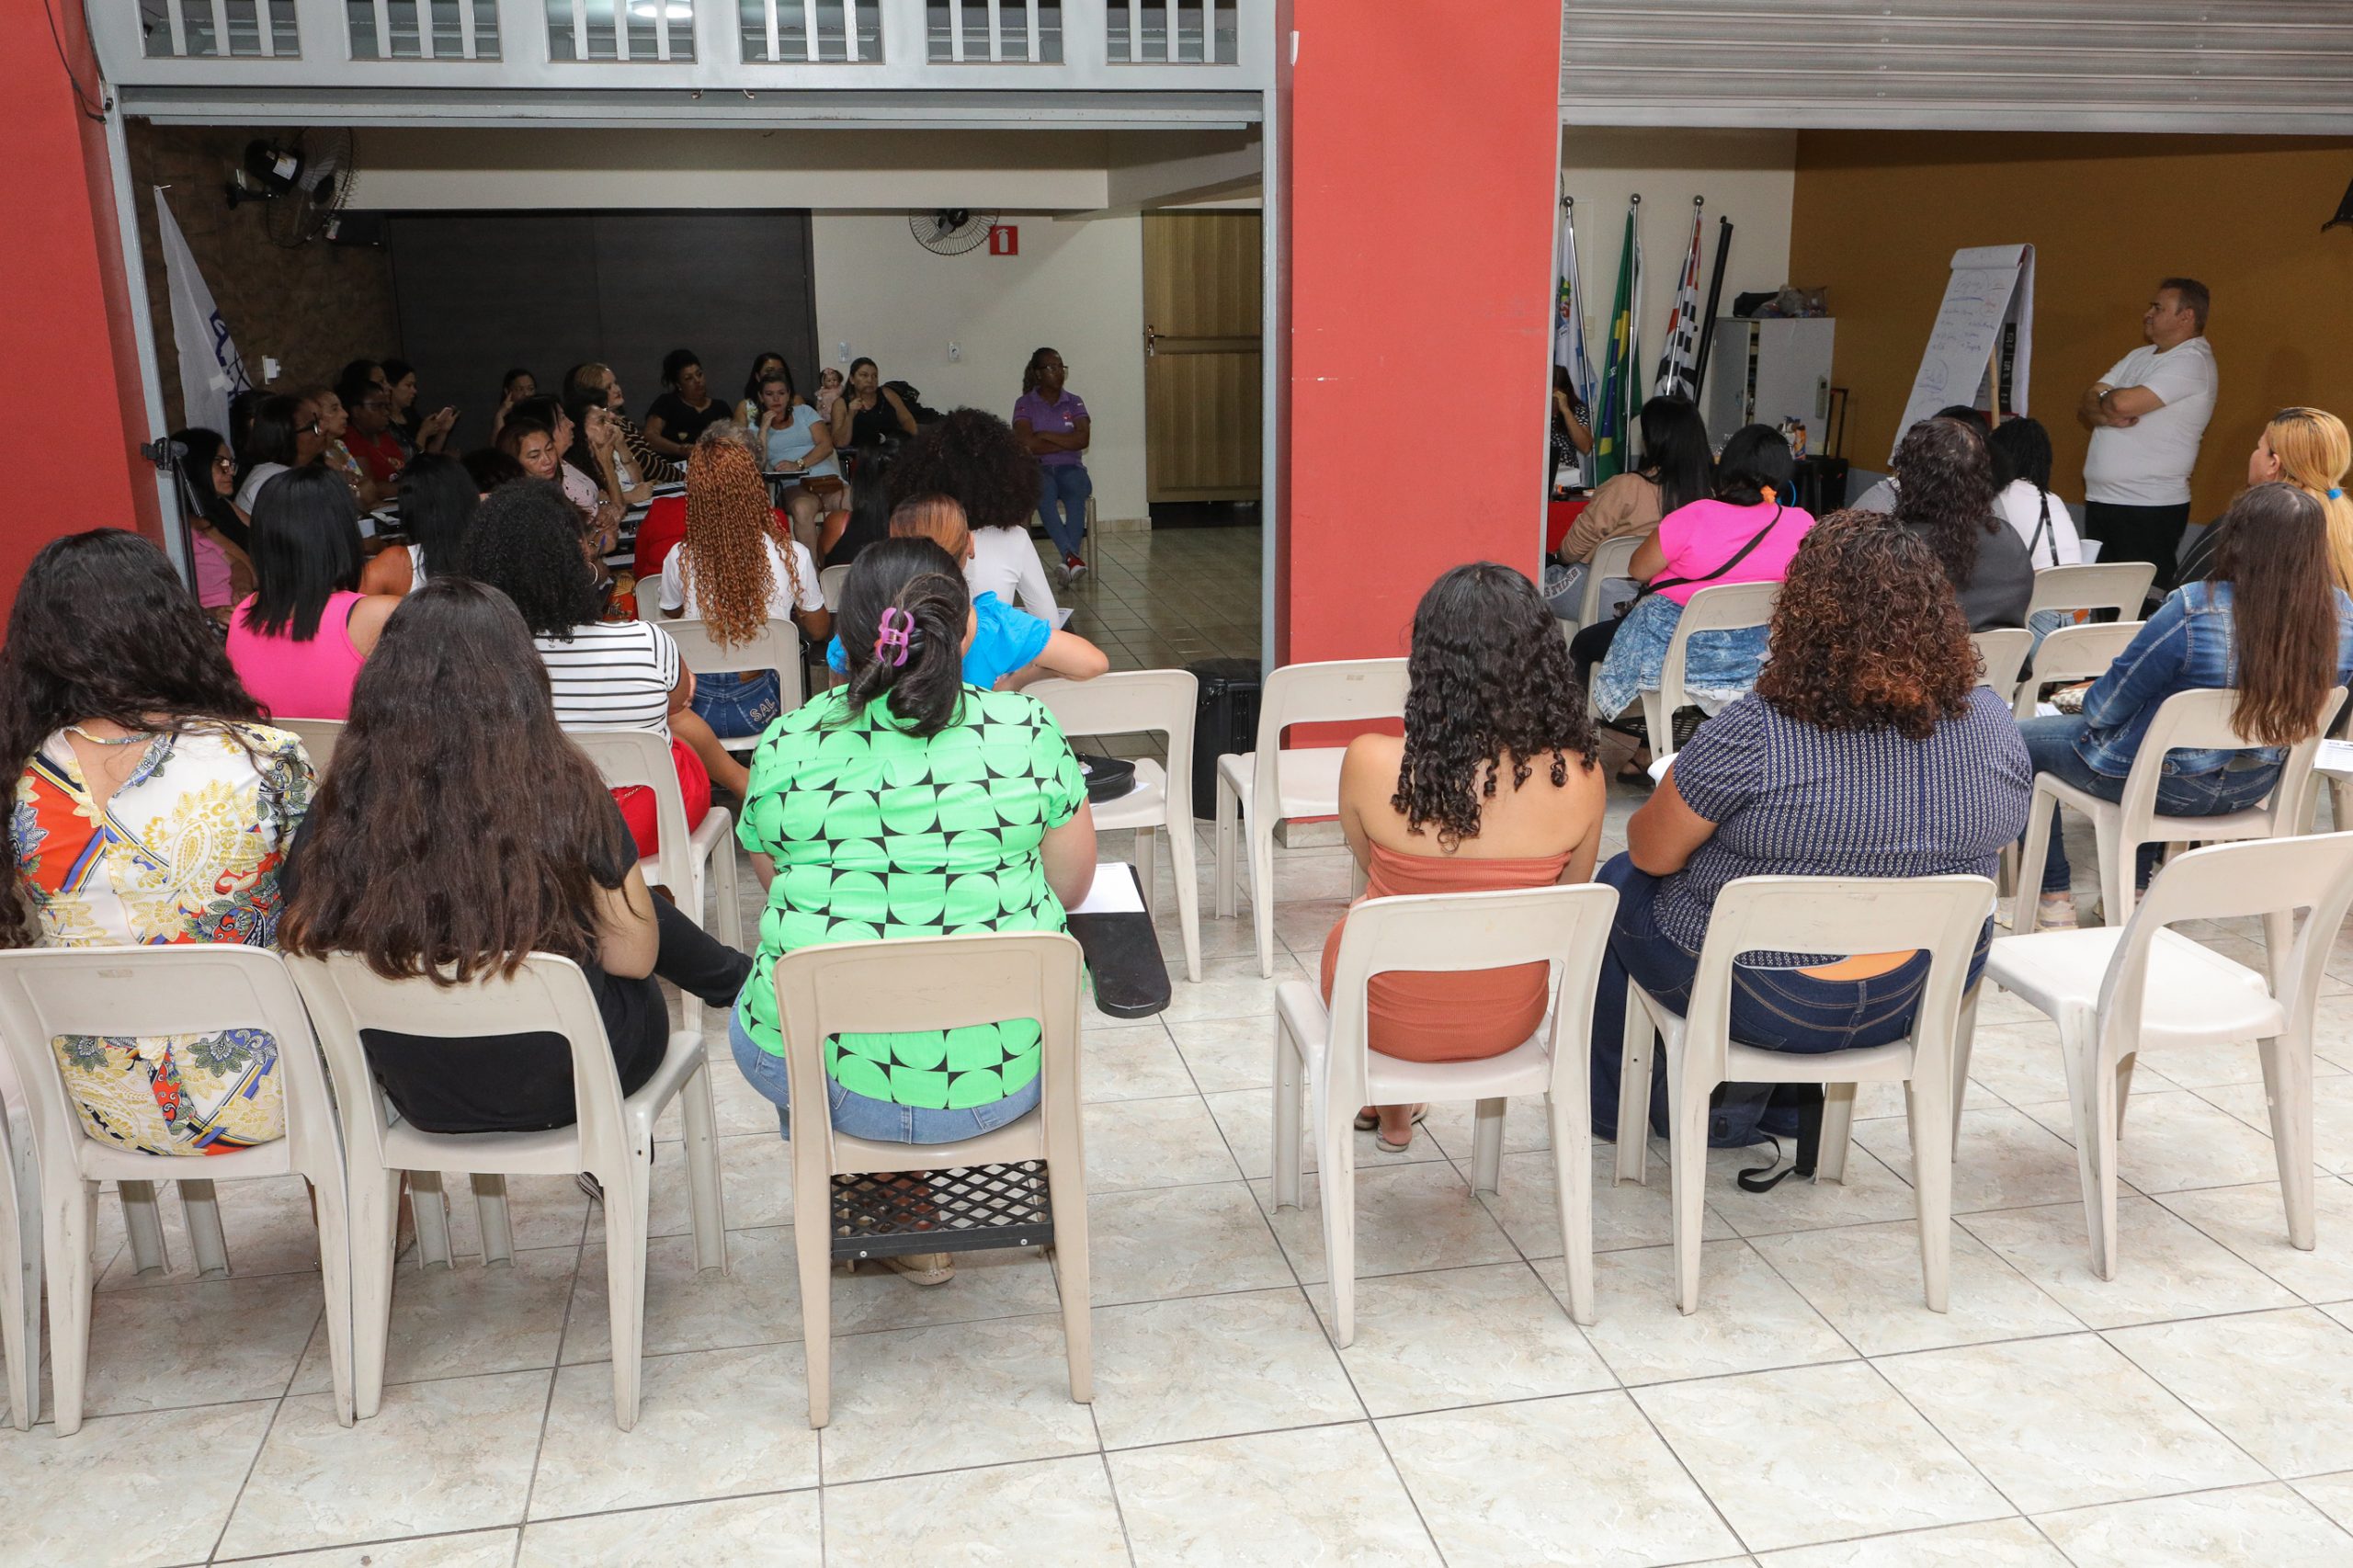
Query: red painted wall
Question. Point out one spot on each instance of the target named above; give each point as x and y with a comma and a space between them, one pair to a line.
1421, 171
72, 412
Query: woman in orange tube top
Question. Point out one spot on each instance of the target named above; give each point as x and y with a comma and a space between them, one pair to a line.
1493, 785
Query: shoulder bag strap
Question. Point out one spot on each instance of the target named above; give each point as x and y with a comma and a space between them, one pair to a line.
1738, 557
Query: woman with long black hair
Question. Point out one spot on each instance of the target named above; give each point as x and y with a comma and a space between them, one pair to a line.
458, 833
437, 504
299, 642
217, 534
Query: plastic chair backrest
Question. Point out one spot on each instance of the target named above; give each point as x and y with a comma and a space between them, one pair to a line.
2229, 881
547, 995
2120, 585
1332, 691
829, 584
641, 758
1724, 608
1125, 701
1840, 914
2200, 720
2075, 653
2000, 652
929, 982
191, 988
777, 647
1565, 926
1610, 559
318, 738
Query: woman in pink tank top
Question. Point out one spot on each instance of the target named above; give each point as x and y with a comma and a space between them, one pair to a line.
299, 642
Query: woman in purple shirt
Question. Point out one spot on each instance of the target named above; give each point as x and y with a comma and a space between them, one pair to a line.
1052, 422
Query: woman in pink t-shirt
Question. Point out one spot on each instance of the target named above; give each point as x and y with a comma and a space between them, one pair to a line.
216, 532
1746, 533
298, 642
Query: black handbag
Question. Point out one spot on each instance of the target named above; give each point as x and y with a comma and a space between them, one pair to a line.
1107, 778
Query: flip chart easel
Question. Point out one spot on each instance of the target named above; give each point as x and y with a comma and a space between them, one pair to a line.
1991, 289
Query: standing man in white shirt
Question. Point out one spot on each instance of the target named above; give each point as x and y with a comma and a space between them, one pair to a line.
2146, 417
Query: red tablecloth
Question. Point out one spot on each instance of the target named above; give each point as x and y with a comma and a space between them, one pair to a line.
1558, 516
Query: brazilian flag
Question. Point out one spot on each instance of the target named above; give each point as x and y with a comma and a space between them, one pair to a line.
1614, 419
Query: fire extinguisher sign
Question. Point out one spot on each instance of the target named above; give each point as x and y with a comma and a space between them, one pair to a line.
1004, 239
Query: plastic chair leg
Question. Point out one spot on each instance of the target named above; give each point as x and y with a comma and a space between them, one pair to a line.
1146, 854
1837, 1133
1926, 1095
431, 1211
1572, 1121
1289, 1137
1067, 1189
2287, 1087
1635, 1090
699, 1123
1261, 839
1688, 1159
374, 1220
1189, 894
202, 1208
1965, 1043
1487, 1146
331, 1201
2091, 1092
490, 1213
1336, 1181
627, 1193
1658, 723
20, 1280
2042, 810
813, 1250
143, 1224
1229, 809
2116, 869
71, 1216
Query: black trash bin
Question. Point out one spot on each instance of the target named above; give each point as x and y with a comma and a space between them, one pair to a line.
1226, 721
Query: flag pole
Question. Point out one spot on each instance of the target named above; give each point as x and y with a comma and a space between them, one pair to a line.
1715, 297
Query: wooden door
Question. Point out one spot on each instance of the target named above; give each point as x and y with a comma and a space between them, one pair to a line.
1203, 395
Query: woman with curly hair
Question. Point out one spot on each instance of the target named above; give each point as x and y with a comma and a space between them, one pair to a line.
977, 460
1867, 749
1493, 785
736, 572
1946, 493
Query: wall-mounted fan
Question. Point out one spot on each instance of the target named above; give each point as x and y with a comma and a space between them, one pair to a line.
305, 180
950, 231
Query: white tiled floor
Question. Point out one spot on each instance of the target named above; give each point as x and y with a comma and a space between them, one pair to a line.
1812, 1414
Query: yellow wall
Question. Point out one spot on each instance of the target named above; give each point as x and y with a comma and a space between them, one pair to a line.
1877, 217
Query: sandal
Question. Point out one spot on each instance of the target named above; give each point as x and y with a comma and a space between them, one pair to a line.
1367, 1119
1386, 1147
925, 1268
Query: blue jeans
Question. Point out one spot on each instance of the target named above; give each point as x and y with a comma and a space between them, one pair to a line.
1773, 1009
879, 1120
1062, 490
738, 705
2050, 743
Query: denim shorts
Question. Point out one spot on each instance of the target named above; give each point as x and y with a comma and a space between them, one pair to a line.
738, 705
879, 1120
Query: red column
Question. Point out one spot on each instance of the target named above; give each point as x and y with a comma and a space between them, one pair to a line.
1420, 152
72, 412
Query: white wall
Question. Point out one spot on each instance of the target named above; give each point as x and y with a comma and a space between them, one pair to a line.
1749, 176
1077, 285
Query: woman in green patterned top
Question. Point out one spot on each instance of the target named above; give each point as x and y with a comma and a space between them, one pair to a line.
909, 804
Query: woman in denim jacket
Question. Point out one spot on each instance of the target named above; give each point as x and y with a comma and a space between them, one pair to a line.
2269, 620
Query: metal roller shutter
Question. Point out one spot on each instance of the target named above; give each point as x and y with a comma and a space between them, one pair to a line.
2224, 66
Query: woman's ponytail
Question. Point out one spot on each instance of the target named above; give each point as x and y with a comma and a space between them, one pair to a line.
903, 617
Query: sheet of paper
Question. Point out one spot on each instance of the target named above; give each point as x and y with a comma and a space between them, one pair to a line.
2046, 710
2336, 757
1115, 891
1659, 767
2091, 550
1062, 617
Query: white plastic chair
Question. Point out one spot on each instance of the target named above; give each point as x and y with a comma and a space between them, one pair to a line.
1726, 607
19, 1250
612, 1140
318, 738
931, 983
2120, 585
195, 988
2112, 990
1610, 559
2073, 654
1324, 1051
1161, 701
687, 863
1811, 915
2192, 719
777, 647
1304, 782
2000, 652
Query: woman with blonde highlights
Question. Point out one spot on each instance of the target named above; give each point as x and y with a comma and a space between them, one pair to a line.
737, 569
2308, 448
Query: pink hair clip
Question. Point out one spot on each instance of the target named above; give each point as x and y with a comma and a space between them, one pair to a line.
896, 632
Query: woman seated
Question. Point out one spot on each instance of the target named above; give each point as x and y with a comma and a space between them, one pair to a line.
1675, 471
685, 408
2269, 620
1867, 749
513, 388
605, 675
1745, 533
153, 805
299, 642
1571, 430
286, 434
601, 453
1009, 648
979, 462
449, 717
1022, 850
764, 364
437, 504
599, 511
1494, 785
218, 534
865, 520
737, 569
2020, 448
796, 445
2308, 448
1946, 494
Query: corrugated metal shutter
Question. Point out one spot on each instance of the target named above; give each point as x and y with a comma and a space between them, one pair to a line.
2177, 65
